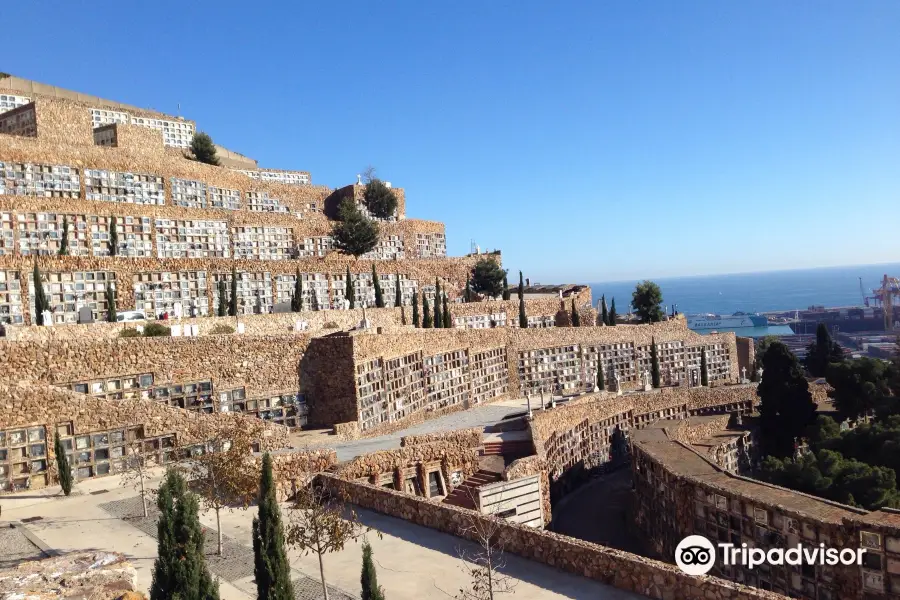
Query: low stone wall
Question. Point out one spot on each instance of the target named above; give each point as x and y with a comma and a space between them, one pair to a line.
90, 575
620, 569
471, 437
268, 324
293, 468
689, 433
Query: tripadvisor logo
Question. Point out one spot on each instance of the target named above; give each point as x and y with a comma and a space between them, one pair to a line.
696, 555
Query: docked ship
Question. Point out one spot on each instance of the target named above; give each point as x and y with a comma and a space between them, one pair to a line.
713, 321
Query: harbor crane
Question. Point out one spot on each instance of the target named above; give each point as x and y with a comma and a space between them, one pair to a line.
890, 288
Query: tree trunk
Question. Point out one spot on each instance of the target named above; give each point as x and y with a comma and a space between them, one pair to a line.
143, 496
219, 527
322, 572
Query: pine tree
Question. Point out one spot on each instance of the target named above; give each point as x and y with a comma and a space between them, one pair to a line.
704, 368
348, 290
297, 297
654, 364
64, 241
271, 567
612, 313
379, 296
468, 296
427, 323
113, 236
398, 295
415, 308
64, 472
505, 288
523, 320
353, 232
438, 320
448, 323
601, 382
203, 149
110, 302
223, 298
41, 303
604, 313
369, 578
576, 318
233, 300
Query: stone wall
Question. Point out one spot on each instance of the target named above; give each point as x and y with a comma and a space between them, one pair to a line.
470, 438
100, 433
261, 364
620, 569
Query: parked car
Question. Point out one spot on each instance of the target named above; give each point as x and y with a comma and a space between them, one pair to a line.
131, 315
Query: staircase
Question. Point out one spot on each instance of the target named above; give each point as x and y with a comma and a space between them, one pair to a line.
463, 495
510, 448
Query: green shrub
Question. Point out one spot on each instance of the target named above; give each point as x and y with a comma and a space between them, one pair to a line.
156, 330
330, 325
127, 333
221, 329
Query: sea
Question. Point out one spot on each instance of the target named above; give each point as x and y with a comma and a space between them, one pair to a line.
757, 292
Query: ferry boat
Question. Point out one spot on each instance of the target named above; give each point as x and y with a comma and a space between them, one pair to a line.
713, 321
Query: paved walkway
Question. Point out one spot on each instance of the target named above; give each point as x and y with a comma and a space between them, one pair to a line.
413, 562
480, 416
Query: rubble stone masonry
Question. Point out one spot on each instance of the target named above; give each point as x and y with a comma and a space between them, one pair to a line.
620, 569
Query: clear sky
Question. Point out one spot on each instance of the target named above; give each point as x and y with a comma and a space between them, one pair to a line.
590, 141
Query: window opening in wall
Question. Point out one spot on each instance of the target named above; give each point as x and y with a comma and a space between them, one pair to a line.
435, 484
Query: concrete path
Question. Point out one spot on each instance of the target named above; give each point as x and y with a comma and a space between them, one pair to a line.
480, 416
413, 562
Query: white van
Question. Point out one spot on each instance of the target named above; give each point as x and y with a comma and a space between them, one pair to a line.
131, 315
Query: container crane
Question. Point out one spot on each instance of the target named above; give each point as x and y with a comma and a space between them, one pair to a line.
890, 287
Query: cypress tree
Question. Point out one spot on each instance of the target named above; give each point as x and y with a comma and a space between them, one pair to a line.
438, 319
166, 565
110, 303
427, 323
704, 368
273, 573
415, 308
348, 290
523, 320
398, 295
604, 313
654, 364
505, 287
113, 237
223, 298
233, 301
369, 579
612, 313
41, 303
62, 466
576, 318
601, 382
448, 323
379, 297
191, 576
297, 298
64, 241
468, 296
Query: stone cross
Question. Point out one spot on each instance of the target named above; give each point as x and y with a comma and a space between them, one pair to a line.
744, 373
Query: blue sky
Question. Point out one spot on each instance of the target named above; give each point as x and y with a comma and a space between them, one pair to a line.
590, 141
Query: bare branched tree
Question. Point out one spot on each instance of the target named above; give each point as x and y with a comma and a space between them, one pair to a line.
135, 468
485, 565
320, 522
222, 470
369, 174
